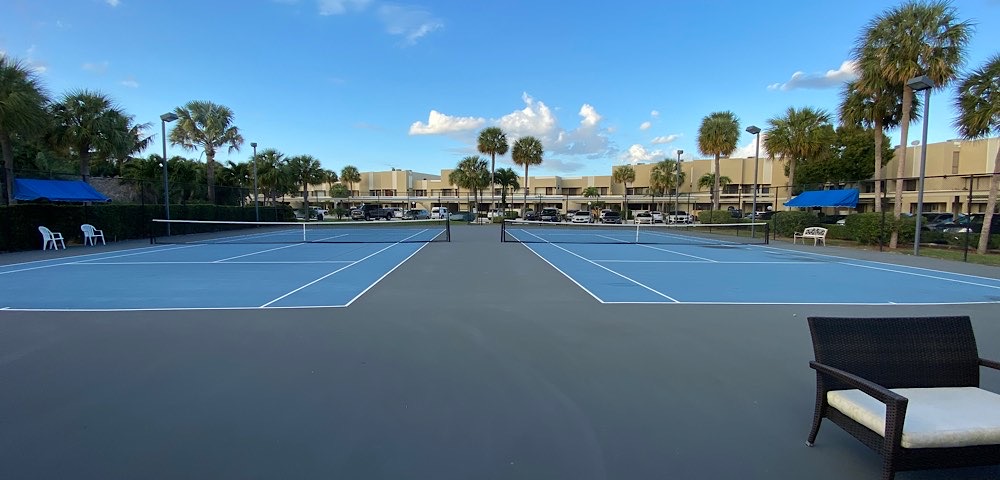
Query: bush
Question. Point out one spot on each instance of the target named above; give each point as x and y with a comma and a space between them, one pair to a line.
837, 232
787, 223
868, 228
716, 216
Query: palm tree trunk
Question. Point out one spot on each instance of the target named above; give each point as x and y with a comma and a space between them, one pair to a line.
791, 176
8, 168
305, 199
525, 205
878, 163
493, 167
85, 163
991, 205
716, 200
904, 130
210, 177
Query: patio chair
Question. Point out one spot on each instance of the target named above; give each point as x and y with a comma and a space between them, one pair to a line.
908, 388
91, 234
50, 238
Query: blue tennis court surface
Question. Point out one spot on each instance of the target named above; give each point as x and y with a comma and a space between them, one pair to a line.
204, 276
753, 274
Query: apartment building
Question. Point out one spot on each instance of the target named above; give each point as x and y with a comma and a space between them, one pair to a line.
953, 170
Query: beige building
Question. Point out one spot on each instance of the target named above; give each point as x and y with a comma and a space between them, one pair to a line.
951, 169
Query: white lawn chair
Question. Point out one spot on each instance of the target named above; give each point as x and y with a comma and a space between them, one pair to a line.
50, 237
91, 234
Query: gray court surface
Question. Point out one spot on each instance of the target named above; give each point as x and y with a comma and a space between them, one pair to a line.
472, 360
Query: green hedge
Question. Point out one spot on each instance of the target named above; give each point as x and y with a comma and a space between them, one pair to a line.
19, 223
786, 224
869, 228
716, 216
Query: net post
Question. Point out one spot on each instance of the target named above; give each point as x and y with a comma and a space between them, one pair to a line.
503, 231
304, 230
767, 237
447, 229
636, 232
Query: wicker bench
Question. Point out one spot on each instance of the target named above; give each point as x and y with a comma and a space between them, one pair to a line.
818, 234
907, 388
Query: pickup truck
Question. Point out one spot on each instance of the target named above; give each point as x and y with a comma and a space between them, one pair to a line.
371, 212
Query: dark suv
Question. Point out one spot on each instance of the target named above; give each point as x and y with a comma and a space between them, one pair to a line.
611, 217
550, 215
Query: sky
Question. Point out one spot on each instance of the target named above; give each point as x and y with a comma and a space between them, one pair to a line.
382, 85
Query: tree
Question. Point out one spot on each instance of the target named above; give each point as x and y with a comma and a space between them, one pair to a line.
903, 42
978, 105
351, 175
595, 193
507, 179
22, 112
88, 123
337, 191
471, 173
272, 177
709, 181
718, 135
665, 177
848, 158
624, 174
876, 107
207, 126
798, 136
492, 142
306, 170
527, 151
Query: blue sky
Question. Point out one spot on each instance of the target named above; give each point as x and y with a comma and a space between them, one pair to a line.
379, 84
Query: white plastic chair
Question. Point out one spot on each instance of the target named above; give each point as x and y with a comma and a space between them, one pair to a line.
50, 237
91, 234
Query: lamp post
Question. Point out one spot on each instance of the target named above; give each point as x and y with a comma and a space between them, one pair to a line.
166, 117
256, 201
754, 130
924, 83
677, 187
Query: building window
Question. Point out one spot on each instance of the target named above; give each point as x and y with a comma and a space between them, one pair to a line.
602, 190
730, 189
389, 193
571, 191
765, 190
954, 162
420, 193
909, 185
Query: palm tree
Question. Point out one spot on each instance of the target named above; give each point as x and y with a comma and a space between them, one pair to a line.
527, 151
798, 135
506, 178
903, 42
306, 170
595, 193
879, 109
207, 126
709, 181
89, 122
978, 104
271, 174
664, 177
624, 174
471, 173
492, 141
22, 112
351, 175
718, 135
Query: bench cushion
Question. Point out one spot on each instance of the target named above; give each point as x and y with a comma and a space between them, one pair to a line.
935, 417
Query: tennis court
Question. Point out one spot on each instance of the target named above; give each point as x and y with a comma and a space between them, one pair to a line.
731, 264
223, 265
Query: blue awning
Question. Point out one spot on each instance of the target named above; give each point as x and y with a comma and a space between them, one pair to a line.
56, 191
826, 198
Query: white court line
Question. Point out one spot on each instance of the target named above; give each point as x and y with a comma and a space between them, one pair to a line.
921, 275
606, 268
75, 256
679, 253
385, 275
532, 250
276, 262
854, 304
85, 262
342, 268
702, 262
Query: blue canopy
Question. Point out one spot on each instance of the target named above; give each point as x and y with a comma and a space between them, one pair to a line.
56, 191
826, 198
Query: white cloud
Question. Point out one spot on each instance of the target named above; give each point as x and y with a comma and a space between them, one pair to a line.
439, 123
35, 65
590, 115
665, 139
638, 154
655, 114
831, 79
337, 7
130, 83
96, 67
113, 3
747, 151
411, 23
645, 125
534, 119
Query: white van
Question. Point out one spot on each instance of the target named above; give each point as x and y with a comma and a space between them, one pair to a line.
439, 213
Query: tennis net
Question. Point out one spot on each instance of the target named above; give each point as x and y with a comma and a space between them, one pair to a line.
379, 231
679, 234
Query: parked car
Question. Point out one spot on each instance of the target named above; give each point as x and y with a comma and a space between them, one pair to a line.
439, 213
530, 215
416, 214
644, 217
397, 212
657, 216
550, 215
678, 216
582, 216
371, 212
973, 224
611, 217
939, 221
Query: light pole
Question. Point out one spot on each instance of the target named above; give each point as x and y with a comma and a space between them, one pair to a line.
924, 83
166, 117
256, 201
677, 188
754, 130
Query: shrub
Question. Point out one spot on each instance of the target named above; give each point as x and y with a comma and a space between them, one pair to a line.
837, 232
868, 228
716, 216
787, 223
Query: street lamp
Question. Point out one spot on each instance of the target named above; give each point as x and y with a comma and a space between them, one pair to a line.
166, 117
924, 83
677, 188
754, 130
256, 202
